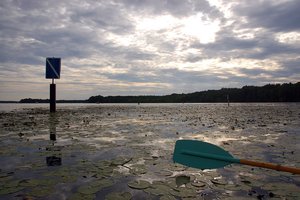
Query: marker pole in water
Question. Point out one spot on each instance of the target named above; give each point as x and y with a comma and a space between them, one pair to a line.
228, 99
52, 97
53, 72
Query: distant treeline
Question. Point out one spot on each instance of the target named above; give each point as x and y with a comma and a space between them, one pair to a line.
286, 92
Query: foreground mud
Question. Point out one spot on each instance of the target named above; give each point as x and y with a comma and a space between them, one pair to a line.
125, 151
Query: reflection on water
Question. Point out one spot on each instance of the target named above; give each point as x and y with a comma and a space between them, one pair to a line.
7, 107
52, 126
55, 159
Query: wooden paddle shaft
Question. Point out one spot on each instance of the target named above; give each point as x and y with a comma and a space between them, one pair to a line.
270, 166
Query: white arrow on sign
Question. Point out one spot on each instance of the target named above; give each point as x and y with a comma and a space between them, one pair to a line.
55, 72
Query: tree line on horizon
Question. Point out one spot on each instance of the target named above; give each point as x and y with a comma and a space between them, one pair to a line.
286, 92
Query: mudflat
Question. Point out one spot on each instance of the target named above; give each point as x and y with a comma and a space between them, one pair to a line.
125, 151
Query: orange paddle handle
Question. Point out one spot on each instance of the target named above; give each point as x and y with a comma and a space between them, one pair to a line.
271, 166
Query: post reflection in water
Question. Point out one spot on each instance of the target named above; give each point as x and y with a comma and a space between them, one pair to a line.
55, 159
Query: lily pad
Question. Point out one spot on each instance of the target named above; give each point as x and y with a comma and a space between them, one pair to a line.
95, 186
139, 184
167, 197
4, 178
158, 188
177, 167
239, 198
198, 184
120, 161
235, 187
41, 191
11, 184
251, 181
69, 178
103, 164
102, 183
106, 171
218, 181
182, 180
155, 191
138, 169
88, 189
281, 186
29, 182
79, 196
118, 196
10, 190
284, 189
184, 192
166, 173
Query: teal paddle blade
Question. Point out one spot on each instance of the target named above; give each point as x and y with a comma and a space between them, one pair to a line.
201, 155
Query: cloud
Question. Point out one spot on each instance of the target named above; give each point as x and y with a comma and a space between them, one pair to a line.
282, 16
112, 47
176, 8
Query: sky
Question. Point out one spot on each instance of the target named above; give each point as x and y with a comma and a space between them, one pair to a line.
146, 47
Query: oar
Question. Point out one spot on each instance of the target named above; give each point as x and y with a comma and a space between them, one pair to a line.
203, 155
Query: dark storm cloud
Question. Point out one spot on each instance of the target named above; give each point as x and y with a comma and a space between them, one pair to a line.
284, 16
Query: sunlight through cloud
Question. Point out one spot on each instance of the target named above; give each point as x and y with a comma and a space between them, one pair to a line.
204, 31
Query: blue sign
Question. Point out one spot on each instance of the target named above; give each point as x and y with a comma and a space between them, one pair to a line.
53, 68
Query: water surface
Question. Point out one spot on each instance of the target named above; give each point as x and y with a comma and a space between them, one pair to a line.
98, 151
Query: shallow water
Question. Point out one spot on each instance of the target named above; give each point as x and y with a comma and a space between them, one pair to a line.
94, 151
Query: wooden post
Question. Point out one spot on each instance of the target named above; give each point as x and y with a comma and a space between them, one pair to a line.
52, 97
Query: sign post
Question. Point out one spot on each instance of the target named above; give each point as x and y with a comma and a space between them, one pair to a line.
53, 72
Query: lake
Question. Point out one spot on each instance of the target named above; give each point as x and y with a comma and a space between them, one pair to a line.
110, 151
